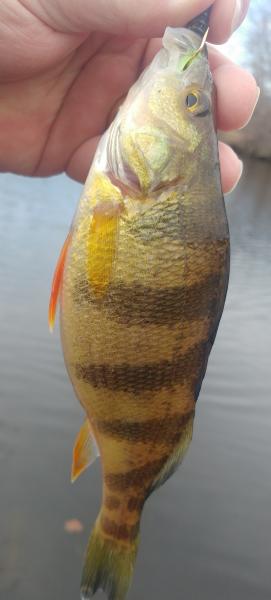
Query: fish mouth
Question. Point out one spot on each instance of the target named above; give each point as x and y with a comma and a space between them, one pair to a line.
187, 60
200, 23
188, 44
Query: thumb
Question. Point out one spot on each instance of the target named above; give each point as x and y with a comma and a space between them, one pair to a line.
141, 18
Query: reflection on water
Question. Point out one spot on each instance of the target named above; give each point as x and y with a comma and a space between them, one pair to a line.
207, 533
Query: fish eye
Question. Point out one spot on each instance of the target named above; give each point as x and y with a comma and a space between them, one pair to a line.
191, 101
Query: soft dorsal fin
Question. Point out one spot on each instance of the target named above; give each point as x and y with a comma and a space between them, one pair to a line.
85, 450
56, 284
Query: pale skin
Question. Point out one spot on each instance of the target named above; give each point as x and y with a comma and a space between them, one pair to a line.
65, 65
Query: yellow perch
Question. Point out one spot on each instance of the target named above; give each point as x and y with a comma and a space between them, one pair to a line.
142, 279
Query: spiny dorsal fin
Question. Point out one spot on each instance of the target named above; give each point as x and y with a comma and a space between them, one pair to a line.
85, 451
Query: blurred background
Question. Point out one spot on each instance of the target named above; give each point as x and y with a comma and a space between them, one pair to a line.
251, 48
206, 535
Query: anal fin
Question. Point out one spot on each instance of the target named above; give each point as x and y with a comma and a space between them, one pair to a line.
85, 451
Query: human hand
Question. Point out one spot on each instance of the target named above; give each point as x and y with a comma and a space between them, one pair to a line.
66, 64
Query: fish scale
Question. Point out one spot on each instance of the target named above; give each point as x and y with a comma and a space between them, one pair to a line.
144, 275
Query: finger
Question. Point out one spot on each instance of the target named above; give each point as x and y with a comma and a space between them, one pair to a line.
217, 58
80, 162
148, 18
226, 17
86, 109
237, 96
231, 168
152, 48
237, 91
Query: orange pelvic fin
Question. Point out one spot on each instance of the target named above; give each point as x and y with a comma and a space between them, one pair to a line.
56, 284
85, 451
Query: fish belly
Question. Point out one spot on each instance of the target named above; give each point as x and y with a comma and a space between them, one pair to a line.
137, 355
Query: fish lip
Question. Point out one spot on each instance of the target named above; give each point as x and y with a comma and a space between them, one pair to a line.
182, 41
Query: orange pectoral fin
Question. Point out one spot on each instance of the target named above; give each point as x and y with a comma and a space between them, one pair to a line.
102, 247
56, 284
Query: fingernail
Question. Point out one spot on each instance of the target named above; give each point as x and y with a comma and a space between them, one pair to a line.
239, 13
258, 93
241, 168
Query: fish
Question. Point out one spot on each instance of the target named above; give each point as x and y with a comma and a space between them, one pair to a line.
142, 280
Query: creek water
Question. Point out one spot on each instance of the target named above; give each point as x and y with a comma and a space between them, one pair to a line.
205, 535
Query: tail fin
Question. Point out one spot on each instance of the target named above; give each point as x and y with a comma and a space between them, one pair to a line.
108, 566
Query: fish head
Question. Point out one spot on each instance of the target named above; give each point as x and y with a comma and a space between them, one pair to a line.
164, 131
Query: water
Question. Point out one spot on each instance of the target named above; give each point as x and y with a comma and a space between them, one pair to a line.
206, 535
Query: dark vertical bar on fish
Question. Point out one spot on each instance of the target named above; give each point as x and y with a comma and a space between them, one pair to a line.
200, 23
